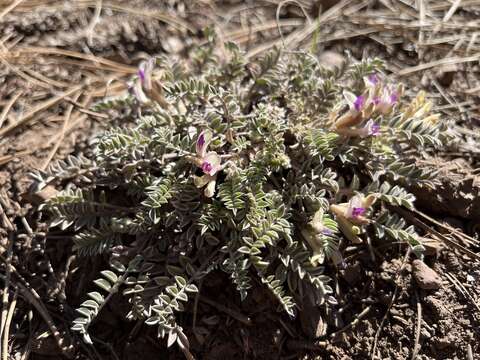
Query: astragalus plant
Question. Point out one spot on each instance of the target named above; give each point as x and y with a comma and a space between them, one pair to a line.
265, 169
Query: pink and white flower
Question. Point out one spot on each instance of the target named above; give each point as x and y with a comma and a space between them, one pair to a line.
385, 102
355, 209
355, 103
371, 128
209, 162
372, 80
144, 81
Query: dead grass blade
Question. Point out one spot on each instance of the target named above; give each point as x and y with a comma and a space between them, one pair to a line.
10, 8
110, 65
41, 107
8, 106
61, 136
448, 61
411, 218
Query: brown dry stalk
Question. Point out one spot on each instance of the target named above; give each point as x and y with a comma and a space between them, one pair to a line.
8, 322
24, 75
30, 295
412, 219
447, 61
8, 260
416, 347
234, 314
462, 290
155, 14
30, 51
61, 136
41, 107
10, 8
8, 106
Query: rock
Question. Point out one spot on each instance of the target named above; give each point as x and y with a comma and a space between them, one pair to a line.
331, 59
444, 343
438, 308
425, 277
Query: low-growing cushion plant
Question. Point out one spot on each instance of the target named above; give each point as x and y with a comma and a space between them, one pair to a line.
264, 169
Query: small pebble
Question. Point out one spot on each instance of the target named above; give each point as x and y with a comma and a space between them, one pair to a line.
425, 276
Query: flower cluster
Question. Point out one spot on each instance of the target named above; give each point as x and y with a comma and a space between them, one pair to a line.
378, 98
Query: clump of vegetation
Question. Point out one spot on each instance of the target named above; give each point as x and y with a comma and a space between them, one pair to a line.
264, 169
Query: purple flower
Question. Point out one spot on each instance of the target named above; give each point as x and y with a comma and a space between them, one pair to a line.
211, 163
327, 232
143, 84
208, 162
371, 128
145, 71
135, 89
355, 208
393, 97
141, 75
203, 141
385, 102
359, 102
374, 129
207, 167
373, 79
357, 211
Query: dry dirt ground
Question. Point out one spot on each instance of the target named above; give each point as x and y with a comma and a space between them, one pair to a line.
60, 57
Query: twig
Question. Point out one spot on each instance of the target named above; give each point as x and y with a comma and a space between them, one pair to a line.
10, 8
82, 109
407, 214
35, 51
8, 321
43, 106
195, 305
52, 153
7, 107
353, 323
421, 34
459, 234
10, 228
462, 290
234, 314
452, 10
293, 344
416, 347
34, 299
469, 352
441, 62
93, 22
